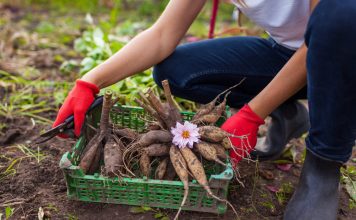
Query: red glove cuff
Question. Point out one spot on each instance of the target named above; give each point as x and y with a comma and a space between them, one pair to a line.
89, 85
247, 113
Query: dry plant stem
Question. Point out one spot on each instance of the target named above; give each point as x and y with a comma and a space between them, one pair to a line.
104, 120
144, 99
181, 169
151, 111
232, 87
168, 93
114, 101
158, 106
214, 115
207, 108
173, 109
95, 142
219, 109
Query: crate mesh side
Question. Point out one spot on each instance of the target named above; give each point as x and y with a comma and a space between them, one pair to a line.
155, 195
140, 193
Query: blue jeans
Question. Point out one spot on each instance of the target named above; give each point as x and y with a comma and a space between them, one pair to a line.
331, 64
199, 71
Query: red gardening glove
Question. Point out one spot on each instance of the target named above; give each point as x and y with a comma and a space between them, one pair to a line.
77, 102
244, 123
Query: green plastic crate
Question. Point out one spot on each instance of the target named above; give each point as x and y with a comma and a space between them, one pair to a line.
141, 191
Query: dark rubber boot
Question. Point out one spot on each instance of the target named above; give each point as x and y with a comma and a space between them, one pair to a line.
290, 120
316, 197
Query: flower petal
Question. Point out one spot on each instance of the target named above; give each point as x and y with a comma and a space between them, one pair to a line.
179, 126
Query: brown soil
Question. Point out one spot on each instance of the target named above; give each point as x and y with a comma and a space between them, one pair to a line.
42, 184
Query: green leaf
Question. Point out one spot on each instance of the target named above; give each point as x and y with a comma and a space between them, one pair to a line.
350, 186
136, 210
146, 208
98, 37
89, 19
164, 218
351, 170
80, 45
44, 27
8, 212
158, 215
87, 64
281, 161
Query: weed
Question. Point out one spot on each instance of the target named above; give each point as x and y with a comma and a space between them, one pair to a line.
284, 192
157, 214
45, 27
8, 213
3, 126
51, 207
269, 205
348, 178
24, 103
27, 97
72, 217
32, 154
10, 169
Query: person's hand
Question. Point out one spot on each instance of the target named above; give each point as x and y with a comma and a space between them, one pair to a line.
77, 102
244, 124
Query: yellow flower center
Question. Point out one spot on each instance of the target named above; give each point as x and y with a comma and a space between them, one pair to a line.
185, 134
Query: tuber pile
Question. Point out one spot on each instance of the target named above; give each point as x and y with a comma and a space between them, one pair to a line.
158, 152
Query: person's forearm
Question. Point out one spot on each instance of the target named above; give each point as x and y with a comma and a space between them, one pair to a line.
291, 78
130, 59
150, 47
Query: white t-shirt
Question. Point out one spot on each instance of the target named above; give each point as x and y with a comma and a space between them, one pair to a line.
284, 20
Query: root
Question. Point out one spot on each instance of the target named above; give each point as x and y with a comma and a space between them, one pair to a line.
224, 200
185, 196
220, 162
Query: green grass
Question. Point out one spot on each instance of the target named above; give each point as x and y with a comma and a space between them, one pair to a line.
22, 152
348, 179
30, 98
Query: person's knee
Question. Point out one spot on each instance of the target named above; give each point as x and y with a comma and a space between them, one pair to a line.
167, 69
158, 75
332, 20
